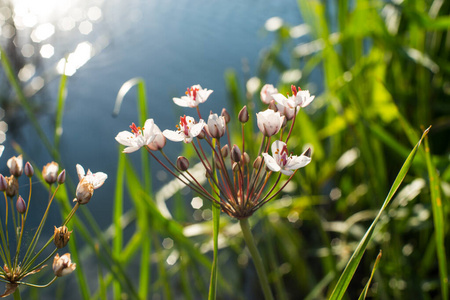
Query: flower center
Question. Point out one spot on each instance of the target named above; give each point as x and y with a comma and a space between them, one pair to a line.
135, 129
283, 156
192, 92
184, 125
295, 90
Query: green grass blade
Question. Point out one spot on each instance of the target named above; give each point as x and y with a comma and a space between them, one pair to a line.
366, 288
117, 214
438, 218
353, 263
60, 110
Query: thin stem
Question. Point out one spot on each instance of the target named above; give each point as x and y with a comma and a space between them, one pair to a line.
17, 294
37, 285
248, 237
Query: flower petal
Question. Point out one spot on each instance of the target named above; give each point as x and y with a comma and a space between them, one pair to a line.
174, 136
80, 172
271, 163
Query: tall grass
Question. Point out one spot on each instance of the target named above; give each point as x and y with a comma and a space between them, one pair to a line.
380, 72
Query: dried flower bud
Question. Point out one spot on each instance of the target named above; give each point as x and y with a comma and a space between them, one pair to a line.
3, 183
257, 162
63, 266
15, 165
50, 172
61, 236
62, 177
245, 158
28, 170
226, 115
236, 154
12, 187
243, 115
182, 163
225, 151
84, 191
20, 205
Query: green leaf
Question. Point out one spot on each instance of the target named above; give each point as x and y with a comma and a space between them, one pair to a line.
353, 263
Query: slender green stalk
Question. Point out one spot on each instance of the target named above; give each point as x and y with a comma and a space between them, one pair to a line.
257, 260
17, 294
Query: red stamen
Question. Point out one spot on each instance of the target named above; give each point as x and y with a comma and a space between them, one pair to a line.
183, 125
134, 129
294, 90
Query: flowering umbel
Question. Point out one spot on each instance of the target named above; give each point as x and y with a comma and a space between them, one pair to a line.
27, 260
238, 180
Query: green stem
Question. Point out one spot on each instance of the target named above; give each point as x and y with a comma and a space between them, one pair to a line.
248, 237
17, 294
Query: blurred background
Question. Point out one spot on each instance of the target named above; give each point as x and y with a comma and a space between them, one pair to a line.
379, 70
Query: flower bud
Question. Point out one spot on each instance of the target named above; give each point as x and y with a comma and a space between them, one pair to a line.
63, 266
62, 177
61, 236
217, 162
12, 187
3, 183
84, 192
245, 158
226, 115
20, 205
273, 106
201, 135
257, 162
236, 154
50, 172
158, 142
182, 163
225, 151
216, 126
235, 167
29, 171
15, 165
243, 115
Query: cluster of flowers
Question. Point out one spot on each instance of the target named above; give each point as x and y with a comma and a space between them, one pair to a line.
15, 265
237, 184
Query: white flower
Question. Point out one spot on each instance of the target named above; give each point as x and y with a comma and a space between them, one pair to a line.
187, 130
15, 165
281, 162
266, 93
63, 265
88, 183
299, 97
138, 137
216, 126
194, 96
269, 122
287, 111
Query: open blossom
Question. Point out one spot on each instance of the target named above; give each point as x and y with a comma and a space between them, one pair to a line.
269, 122
216, 126
138, 137
88, 183
63, 265
194, 96
266, 93
187, 130
299, 97
280, 161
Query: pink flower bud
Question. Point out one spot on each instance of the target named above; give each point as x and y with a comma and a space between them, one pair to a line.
226, 115
29, 171
236, 154
3, 183
50, 172
182, 163
62, 177
20, 205
243, 115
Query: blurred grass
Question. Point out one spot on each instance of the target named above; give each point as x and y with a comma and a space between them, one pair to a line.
380, 72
